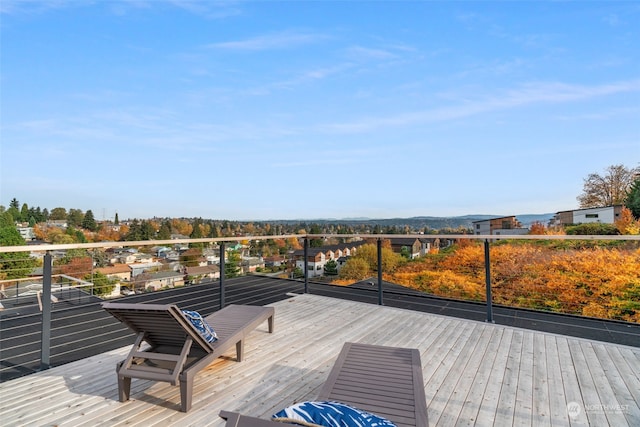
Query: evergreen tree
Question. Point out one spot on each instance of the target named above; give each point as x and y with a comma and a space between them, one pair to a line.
633, 199
232, 265
165, 230
89, 222
331, 268
116, 221
147, 232
14, 213
135, 231
315, 243
24, 213
75, 218
196, 233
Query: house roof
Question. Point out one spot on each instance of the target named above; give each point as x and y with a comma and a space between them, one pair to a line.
114, 269
165, 274
493, 219
403, 240
205, 269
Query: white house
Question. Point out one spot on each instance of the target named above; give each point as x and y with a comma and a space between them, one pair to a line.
604, 215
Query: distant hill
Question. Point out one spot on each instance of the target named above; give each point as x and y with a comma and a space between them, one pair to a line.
421, 222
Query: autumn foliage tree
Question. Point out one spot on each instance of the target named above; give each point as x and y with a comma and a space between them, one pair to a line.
596, 281
627, 224
610, 188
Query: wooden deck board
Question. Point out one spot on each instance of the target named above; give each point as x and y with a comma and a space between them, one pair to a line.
475, 374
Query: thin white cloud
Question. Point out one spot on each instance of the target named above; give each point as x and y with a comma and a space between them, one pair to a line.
36, 6
529, 94
282, 40
207, 9
359, 52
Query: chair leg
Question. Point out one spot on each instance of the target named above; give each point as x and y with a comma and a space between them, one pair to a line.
124, 388
186, 393
270, 321
240, 350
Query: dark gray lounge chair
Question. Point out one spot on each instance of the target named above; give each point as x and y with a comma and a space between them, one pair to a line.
177, 351
386, 381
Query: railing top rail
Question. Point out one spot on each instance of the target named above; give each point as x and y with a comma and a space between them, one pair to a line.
48, 247
482, 236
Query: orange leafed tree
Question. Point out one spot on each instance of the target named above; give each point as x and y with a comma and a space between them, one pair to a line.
596, 281
627, 224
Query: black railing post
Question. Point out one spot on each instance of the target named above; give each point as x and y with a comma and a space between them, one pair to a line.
222, 252
487, 279
380, 301
306, 265
45, 346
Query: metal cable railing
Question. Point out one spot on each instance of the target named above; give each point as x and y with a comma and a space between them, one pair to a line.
48, 296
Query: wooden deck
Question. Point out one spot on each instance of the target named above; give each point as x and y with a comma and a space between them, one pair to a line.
475, 374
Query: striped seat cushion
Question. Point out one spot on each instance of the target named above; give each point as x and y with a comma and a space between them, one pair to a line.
199, 323
329, 414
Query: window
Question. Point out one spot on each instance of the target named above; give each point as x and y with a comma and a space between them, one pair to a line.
591, 215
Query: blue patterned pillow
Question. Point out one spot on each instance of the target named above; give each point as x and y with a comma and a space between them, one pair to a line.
199, 323
329, 414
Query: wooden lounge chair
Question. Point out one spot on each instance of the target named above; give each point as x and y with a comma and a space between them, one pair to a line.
176, 351
386, 381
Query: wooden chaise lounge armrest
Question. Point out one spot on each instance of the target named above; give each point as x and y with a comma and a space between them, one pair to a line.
235, 419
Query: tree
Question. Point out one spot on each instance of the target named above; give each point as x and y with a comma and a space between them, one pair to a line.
79, 267
135, 231
14, 212
75, 218
58, 214
165, 230
232, 265
14, 265
116, 221
369, 253
102, 285
6, 219
196, 233
633, 198
355, 269
191, 257
609, 189
627, 224
24, 213
147, 231
331, 268
89, 222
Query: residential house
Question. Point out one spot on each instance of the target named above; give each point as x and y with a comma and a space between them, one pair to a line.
59, 223
117, 271
160, 280
251, 264
139, 268
27, 233
508, 225
318, 257
604, 215
414, 247
199, 273
274, 261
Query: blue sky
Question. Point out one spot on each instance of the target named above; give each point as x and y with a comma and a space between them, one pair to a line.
314, 109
